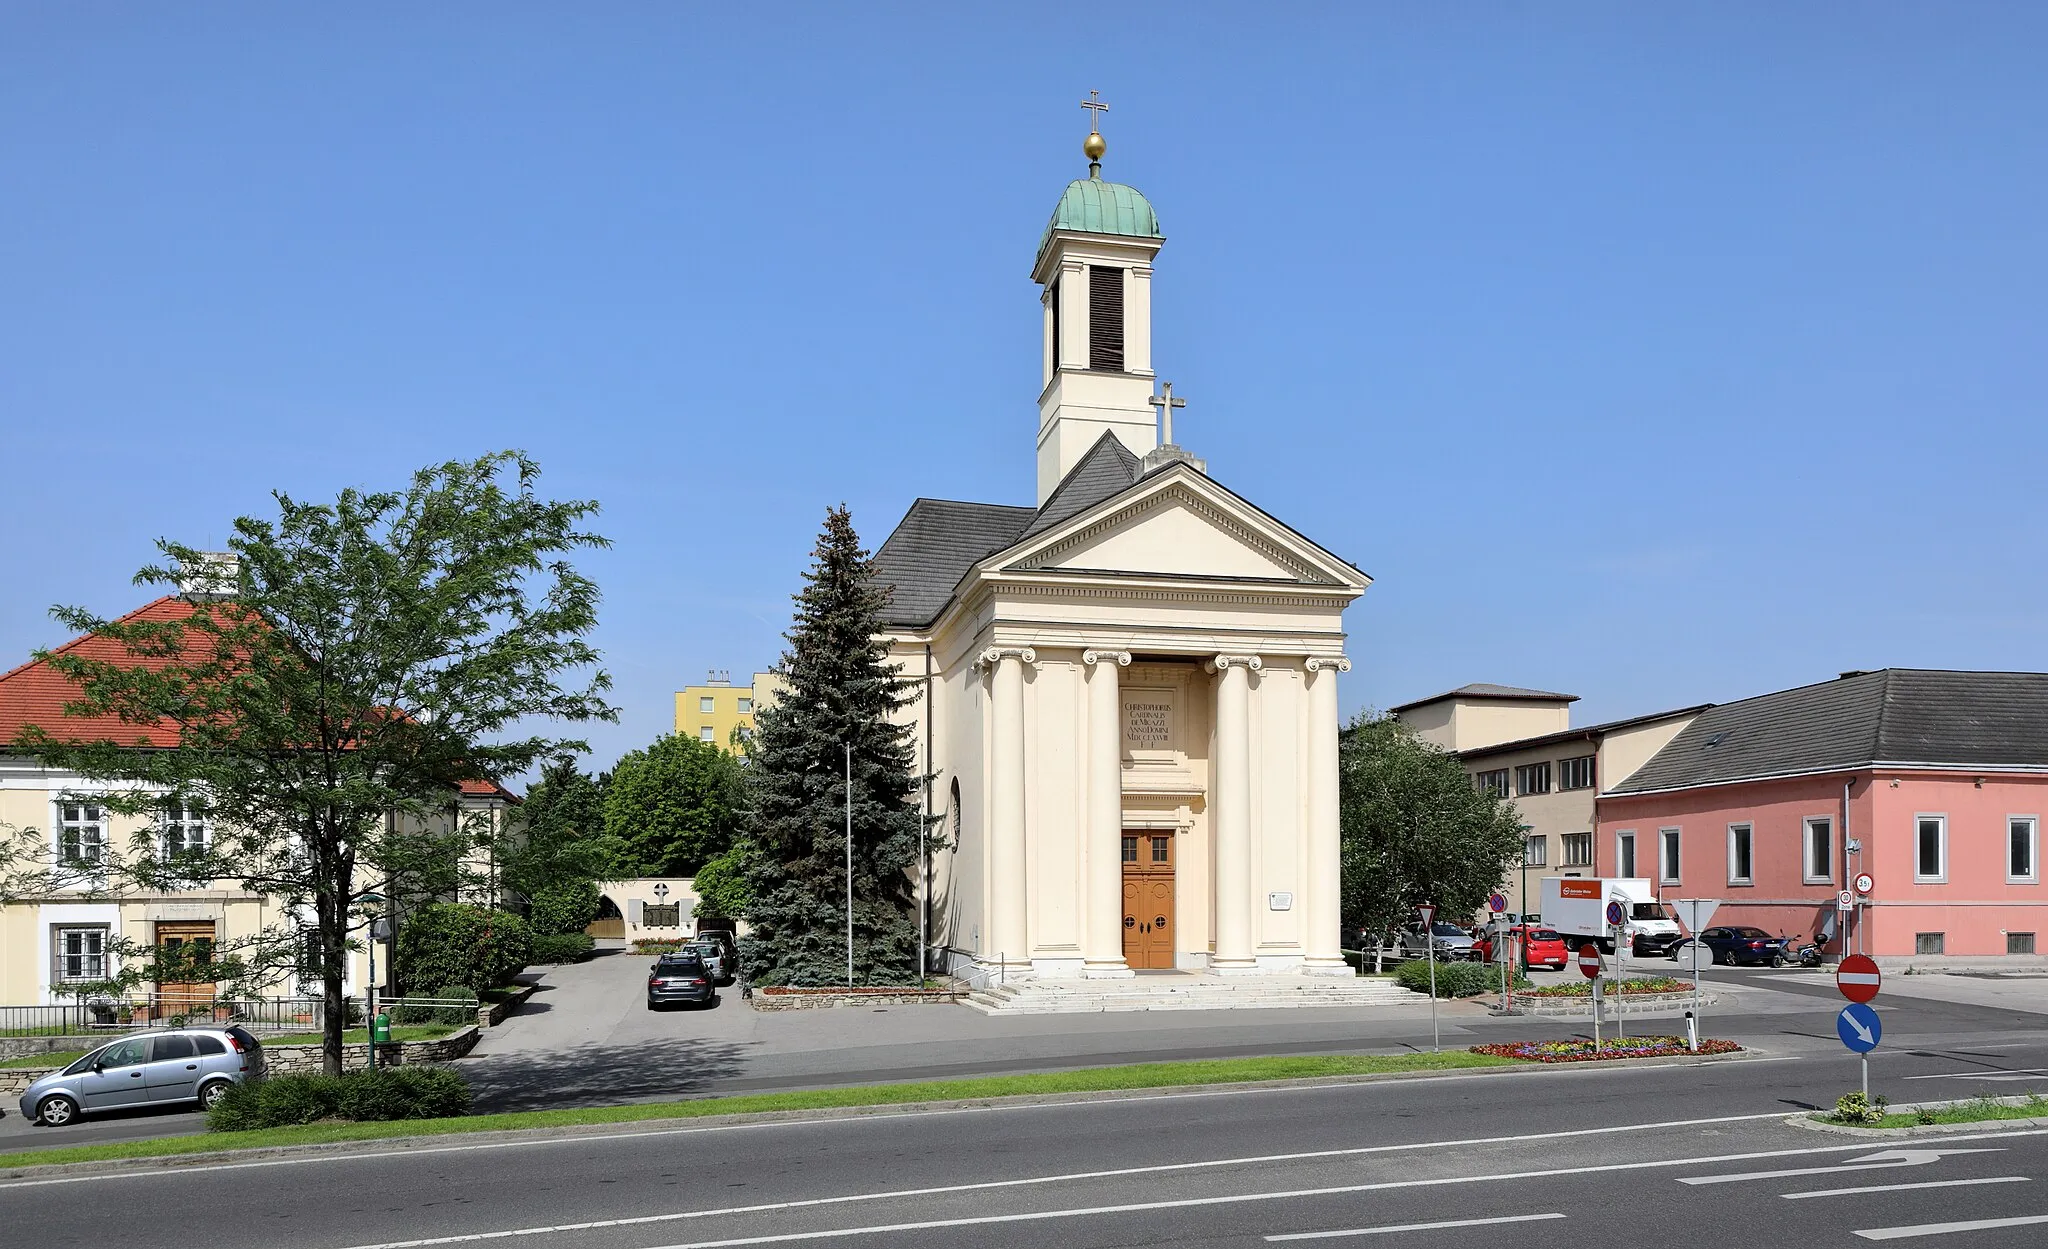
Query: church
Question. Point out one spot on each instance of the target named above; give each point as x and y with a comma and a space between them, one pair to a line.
1128, 690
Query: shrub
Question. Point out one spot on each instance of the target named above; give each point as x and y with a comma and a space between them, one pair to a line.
1855, 1108
1456, 979
565, 906
658, 945
359, 1096
451, 1015
451, 943
562, 947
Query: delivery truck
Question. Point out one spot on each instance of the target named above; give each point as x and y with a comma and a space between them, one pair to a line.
1576, 906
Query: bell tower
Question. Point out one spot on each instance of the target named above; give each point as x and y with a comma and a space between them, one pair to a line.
1095, 267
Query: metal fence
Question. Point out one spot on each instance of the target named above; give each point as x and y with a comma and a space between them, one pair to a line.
112, 1016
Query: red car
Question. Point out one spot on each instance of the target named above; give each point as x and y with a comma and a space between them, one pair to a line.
1541, 947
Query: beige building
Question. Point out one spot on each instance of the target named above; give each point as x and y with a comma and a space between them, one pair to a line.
1518, 743
1128, 688
70, 937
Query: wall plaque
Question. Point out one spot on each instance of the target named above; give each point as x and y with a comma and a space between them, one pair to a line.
1148, 720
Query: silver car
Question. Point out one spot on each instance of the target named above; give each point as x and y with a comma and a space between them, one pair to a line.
1452, 942
182, 1066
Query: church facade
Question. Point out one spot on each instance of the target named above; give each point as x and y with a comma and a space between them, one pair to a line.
1128, 691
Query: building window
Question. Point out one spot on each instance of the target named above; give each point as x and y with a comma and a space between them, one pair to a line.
2022, 845
80, 954
1532, 778
1625, 854
184, 829
1162, 850
1930, 943
1536, 851
706, 705
1930, 850
2019, 943
81, 833
707, 734
746, 706
1667, 852
1820, 851
1575, 773
1494, 782
1578, 849
1105, 319
1130, 849
1739, 865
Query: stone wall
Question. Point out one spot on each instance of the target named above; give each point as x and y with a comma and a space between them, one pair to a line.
282, 1060
814, 999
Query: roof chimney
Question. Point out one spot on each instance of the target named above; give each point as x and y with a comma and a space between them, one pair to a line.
213, 575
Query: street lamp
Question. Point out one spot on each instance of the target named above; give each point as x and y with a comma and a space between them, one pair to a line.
380, 929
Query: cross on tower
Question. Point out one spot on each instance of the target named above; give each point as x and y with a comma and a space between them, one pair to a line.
1094, 101
1166, 403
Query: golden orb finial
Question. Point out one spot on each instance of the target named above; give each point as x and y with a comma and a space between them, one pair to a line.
1094, 147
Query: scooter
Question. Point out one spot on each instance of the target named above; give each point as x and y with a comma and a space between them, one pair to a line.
1809, 954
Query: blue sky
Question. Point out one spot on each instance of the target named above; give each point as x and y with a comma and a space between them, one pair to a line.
1658, 355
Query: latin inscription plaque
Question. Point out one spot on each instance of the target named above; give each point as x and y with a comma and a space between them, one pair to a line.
1148, 720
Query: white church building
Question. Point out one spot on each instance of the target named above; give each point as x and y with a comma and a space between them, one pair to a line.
1129, 689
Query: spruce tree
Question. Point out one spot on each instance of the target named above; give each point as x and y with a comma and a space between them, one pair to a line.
840, 691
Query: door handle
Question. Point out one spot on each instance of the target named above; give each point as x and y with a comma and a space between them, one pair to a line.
191, 1066
135, 1075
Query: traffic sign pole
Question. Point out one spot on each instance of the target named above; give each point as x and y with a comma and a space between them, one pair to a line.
1436, 1040
1858, 1025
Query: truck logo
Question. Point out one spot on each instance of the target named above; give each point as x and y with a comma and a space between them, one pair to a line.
1578, 889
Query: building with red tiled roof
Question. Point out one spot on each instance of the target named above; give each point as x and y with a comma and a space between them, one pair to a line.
52, 947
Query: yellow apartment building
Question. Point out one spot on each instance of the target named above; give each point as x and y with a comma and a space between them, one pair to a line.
711, 711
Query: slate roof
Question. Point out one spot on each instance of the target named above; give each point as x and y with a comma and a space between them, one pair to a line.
1483, 689
1108, 468
933, 546
1896, 717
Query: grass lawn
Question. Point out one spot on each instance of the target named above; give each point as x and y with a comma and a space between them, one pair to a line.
1982, 1110
1098, 1079
42, 1060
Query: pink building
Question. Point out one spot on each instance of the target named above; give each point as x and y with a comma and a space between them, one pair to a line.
1933, 783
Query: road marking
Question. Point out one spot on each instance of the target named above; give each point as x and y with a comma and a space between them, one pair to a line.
771, 1207
1417, 1227
2031, 1073
1944, 1229
376, 1155
1900, 1188
1883, 1158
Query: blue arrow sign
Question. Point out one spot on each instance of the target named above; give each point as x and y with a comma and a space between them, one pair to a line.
1859, 1028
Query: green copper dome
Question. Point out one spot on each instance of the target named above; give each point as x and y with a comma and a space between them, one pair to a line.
1093, 206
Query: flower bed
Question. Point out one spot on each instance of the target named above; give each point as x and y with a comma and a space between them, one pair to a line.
1632, 985
1610, 1048
658, 945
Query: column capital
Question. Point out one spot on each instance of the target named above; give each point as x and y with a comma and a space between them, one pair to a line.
996, 654
1121, 659
1338, 663
1251, 662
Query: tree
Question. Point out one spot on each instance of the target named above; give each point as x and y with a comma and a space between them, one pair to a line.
674, 806
559, 838
1415, 829
329, 689
721, 885
841, 694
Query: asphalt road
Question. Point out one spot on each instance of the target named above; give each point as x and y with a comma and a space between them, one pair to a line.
1693, 1154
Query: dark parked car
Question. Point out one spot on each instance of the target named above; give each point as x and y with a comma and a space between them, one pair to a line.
1742, 946
178, 1067
680, 977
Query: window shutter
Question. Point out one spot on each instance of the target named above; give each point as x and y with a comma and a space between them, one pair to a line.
1105, 319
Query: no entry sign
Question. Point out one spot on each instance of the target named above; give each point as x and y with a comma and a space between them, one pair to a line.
1857, 978
1589, 961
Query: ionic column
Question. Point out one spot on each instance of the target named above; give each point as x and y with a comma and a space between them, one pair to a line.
1322, 927
1007, 930
1102, 923
1230, 812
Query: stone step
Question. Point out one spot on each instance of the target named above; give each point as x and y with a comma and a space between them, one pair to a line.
1043, 997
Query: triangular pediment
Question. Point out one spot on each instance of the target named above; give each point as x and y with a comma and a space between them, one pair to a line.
1178, 525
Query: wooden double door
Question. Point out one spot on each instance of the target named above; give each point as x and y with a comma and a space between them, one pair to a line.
184, 970
1148, 899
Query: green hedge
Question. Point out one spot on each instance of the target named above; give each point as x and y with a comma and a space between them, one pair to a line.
562, 947
358, 1096
566, 906
453, 943
1455, 979
453, 1015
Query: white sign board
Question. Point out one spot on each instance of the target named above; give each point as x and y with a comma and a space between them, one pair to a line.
1695, 913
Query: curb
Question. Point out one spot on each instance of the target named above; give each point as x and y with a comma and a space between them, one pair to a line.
382, 1145
2037, 1124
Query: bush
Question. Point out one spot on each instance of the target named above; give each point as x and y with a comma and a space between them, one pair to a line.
358, 1096
1455, 979
450, 943
1855, 1108
658, 945
454, 1016
565, 906
562, 947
